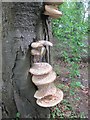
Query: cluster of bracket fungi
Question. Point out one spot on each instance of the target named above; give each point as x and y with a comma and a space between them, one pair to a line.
43, 77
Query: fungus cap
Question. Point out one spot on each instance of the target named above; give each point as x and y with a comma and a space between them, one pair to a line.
51, 100
35, 52
41, 43
44, 79
45, 90
52, 16
36, 45
46, 43
43, 51
40, 68
52, 12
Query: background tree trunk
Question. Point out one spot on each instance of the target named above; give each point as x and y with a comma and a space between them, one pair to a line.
22, 24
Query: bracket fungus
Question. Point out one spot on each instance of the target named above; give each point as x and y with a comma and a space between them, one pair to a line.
51, 100
40, 68
38, 52
52, 12
45, 43
35, 52
39, 49
43, 77
51, 8
41, 43
36, 45
45, 90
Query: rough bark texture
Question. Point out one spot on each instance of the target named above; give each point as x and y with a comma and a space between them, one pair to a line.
0, 61
22, 24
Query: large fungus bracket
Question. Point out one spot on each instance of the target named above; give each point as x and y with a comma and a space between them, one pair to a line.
43, 77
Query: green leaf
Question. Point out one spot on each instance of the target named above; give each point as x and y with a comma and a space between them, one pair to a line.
78, 84
18, 115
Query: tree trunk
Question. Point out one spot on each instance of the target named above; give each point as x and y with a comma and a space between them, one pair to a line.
22, 24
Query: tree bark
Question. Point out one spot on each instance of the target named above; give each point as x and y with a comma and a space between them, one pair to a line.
22, 24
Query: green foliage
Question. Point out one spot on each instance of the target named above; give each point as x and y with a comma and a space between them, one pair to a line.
65, 111
17, 116
63, 87
57, 69
71, 31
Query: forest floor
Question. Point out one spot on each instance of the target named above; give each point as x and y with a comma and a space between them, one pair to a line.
76, 105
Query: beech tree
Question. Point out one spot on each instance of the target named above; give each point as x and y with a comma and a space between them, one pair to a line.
22, 23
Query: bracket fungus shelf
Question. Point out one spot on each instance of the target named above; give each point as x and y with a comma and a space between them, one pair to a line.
51, 8
43, 77
40, 68
45, 90
51, 100
52, 12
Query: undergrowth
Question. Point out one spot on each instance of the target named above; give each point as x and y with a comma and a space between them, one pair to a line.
71, 31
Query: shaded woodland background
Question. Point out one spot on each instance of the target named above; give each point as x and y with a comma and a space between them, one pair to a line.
70, 59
